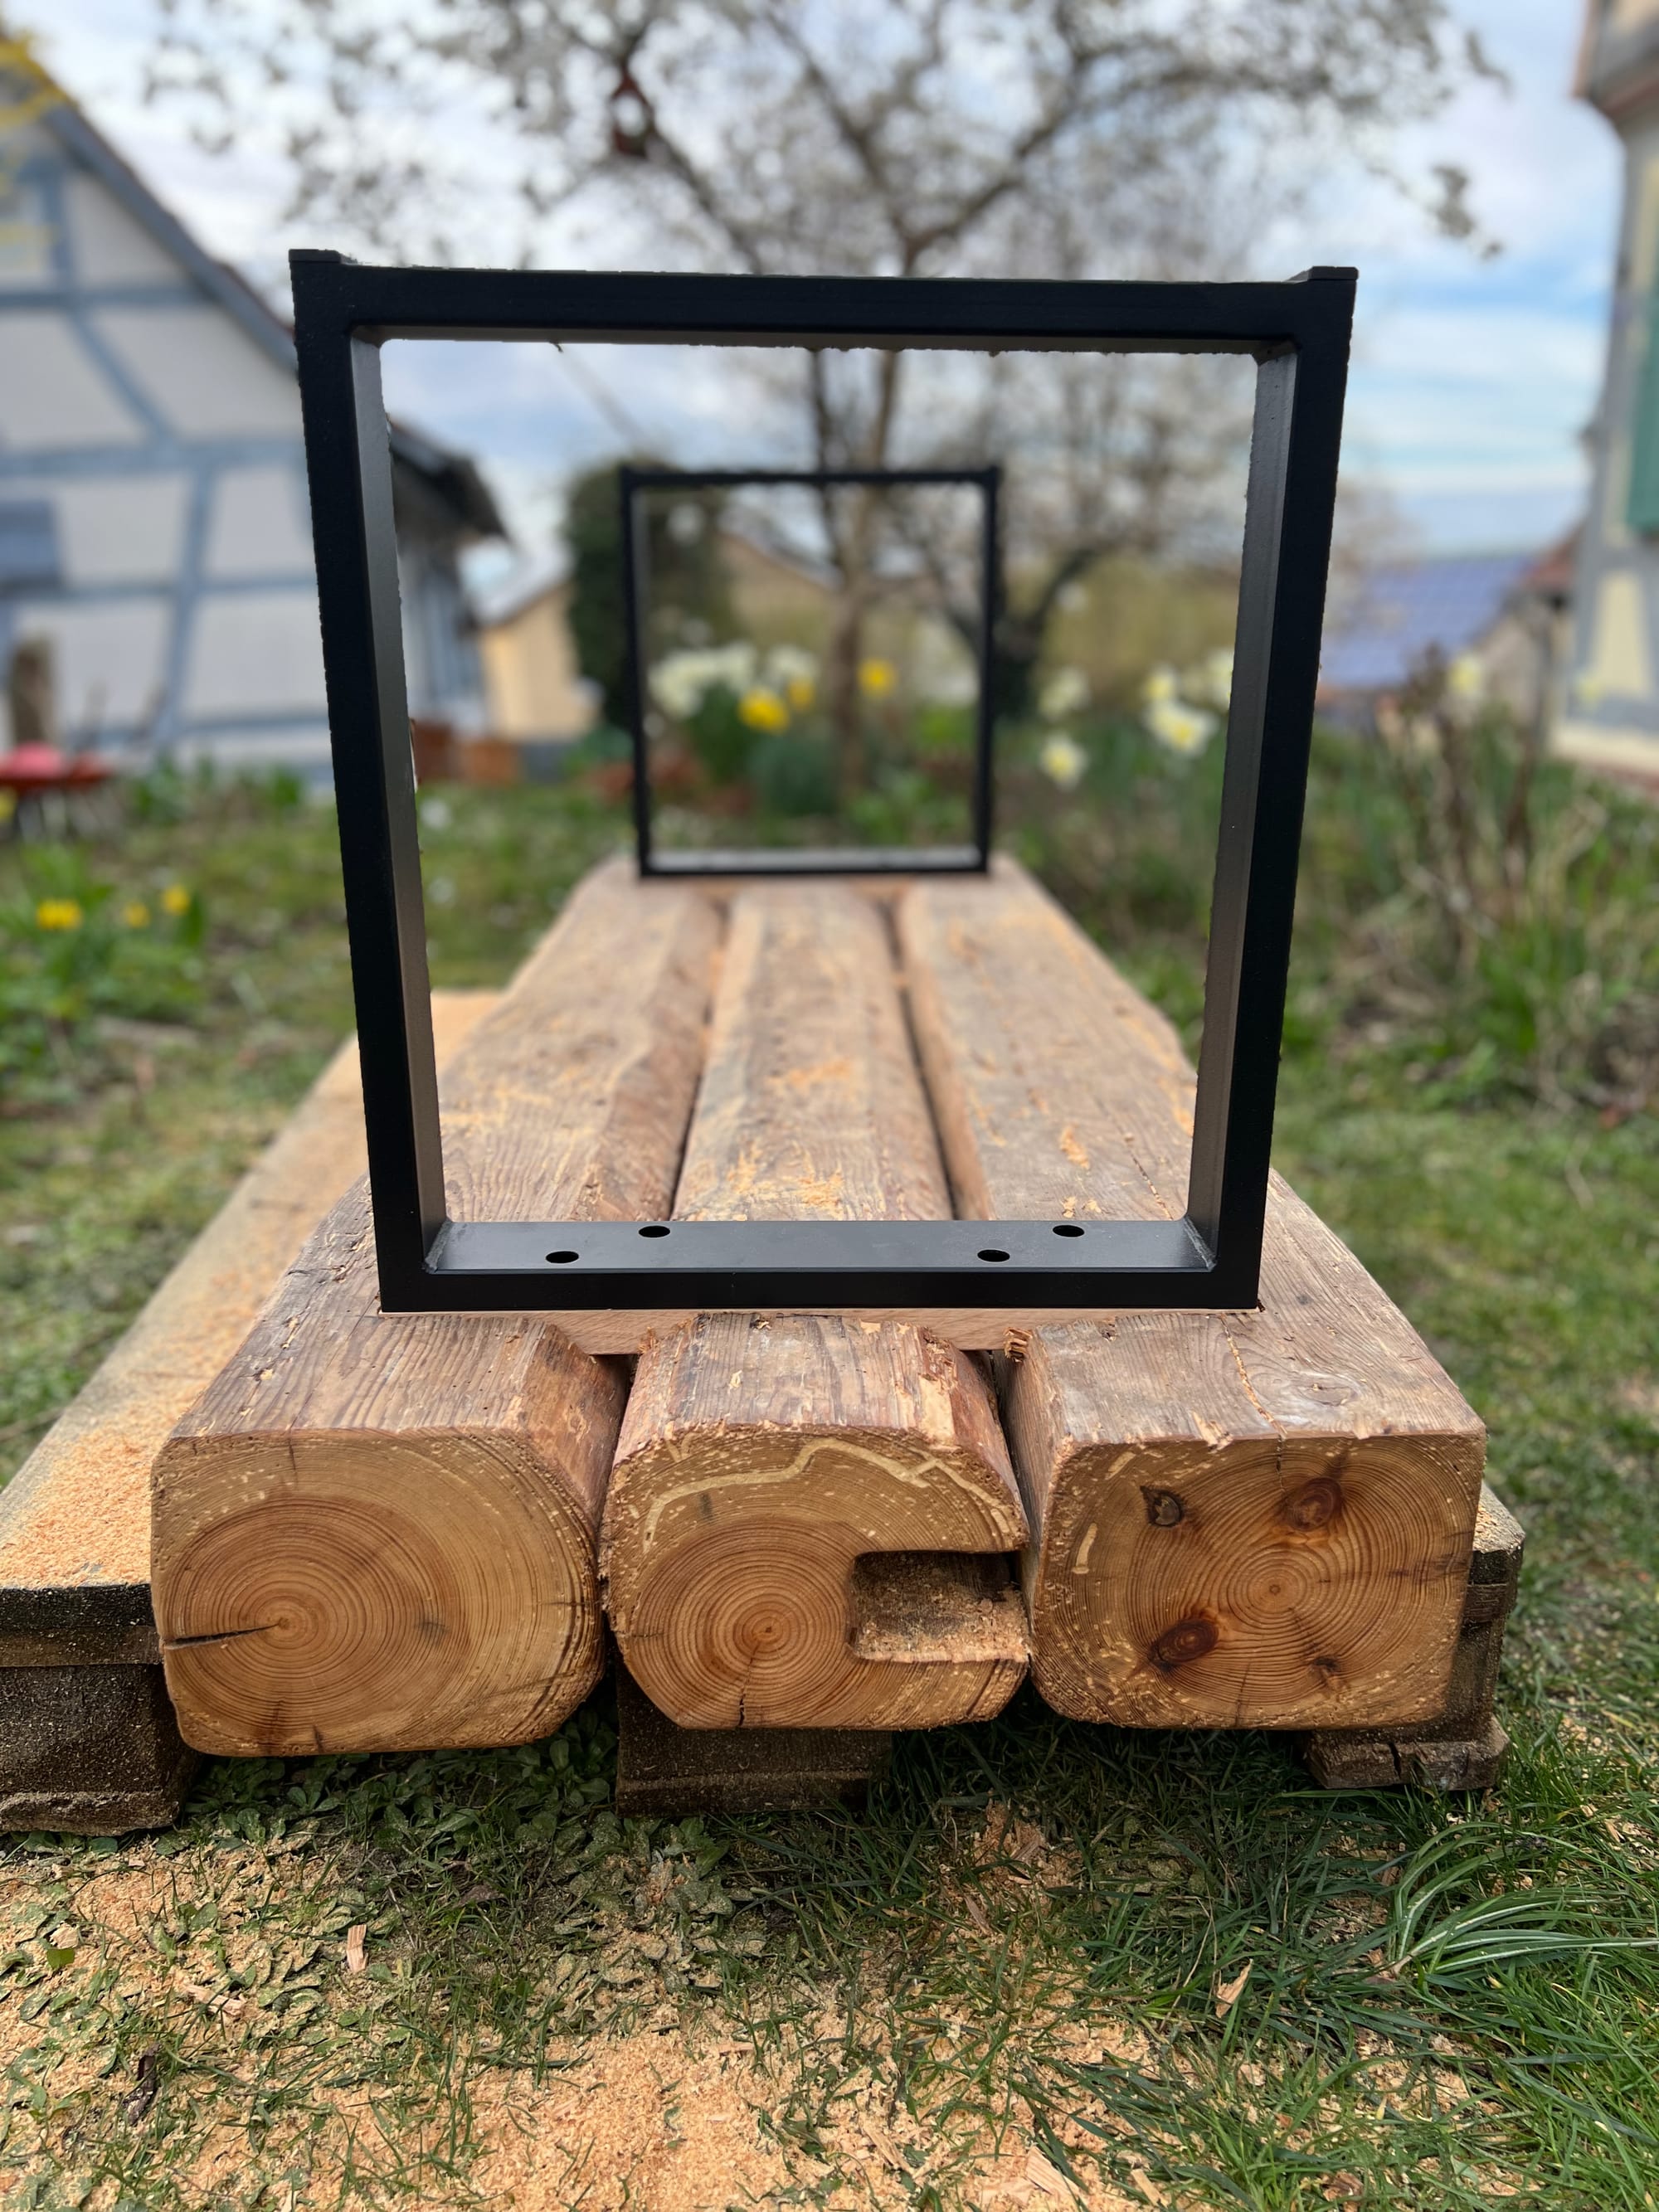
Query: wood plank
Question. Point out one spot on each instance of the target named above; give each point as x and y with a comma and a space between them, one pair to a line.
377, 1532
1240, 1520
809, 1517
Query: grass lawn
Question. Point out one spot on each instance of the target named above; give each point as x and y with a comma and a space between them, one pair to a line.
1053, 1964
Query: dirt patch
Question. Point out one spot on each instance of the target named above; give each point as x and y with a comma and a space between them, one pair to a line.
645, 2122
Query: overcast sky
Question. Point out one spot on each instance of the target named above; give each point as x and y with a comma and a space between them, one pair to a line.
1473, 378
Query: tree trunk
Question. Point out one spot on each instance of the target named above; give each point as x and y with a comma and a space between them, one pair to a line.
377, 1532
809, 1518
1257, 1520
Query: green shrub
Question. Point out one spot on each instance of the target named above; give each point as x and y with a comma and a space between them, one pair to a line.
722, 743
794, 775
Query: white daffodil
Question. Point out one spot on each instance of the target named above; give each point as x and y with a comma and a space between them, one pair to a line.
1161, 684
1062, 760
791, 664
1182, 727
1212, 681
1065, 692
681, 681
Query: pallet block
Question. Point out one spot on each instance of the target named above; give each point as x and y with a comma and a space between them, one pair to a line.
668, 1772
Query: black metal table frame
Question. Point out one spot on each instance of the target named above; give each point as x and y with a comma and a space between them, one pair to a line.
971, 859
1297, 332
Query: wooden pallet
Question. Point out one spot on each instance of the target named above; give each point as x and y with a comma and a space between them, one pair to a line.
386, 1531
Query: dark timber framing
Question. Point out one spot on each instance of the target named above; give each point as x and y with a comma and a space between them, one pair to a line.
1298, 333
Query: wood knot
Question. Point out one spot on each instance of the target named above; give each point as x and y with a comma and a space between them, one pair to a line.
1186, 1640
1314, 1505
1163, 1508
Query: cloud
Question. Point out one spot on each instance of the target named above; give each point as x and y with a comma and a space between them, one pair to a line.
1471, 381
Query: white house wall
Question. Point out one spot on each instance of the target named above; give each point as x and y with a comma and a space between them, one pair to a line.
119, 530
1610, 709
52, 397
111, 660
203, 377
165, 434
110, 248
261, 520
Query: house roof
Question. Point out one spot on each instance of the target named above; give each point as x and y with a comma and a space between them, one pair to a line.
450, 476
510, 596
1376, 632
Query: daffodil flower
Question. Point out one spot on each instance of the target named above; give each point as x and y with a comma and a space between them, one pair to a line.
1160, 684
175, 900
1065, 692
1182, 728
877, 677
136, 915
58, 914
1062, 760
761, 710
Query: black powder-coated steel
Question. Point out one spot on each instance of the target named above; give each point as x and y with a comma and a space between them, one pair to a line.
1297, 332
863, 860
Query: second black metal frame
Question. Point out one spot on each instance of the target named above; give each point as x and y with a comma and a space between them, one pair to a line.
1297, 332
972, 859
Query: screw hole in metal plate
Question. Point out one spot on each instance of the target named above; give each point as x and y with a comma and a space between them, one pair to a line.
655, 1229
559, 1258
992, 1252
1068, 1229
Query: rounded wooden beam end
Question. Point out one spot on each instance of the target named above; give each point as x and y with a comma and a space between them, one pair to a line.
314, 1597
1267, 1584
761, 1575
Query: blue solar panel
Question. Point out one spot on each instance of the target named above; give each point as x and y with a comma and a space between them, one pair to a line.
1378, 632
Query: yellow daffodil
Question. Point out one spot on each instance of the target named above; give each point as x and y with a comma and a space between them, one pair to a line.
175, 900
763, 709
1465, 679
877, 677
136, 915
801, 692
58, 914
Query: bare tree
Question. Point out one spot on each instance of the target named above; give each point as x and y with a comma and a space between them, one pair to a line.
883, 137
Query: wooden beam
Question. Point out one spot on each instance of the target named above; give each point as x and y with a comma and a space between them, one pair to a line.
88, 1741
377, 1532
1239, 1520
809, 1517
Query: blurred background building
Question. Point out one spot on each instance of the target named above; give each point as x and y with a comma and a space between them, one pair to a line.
1609, 710
154, 526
